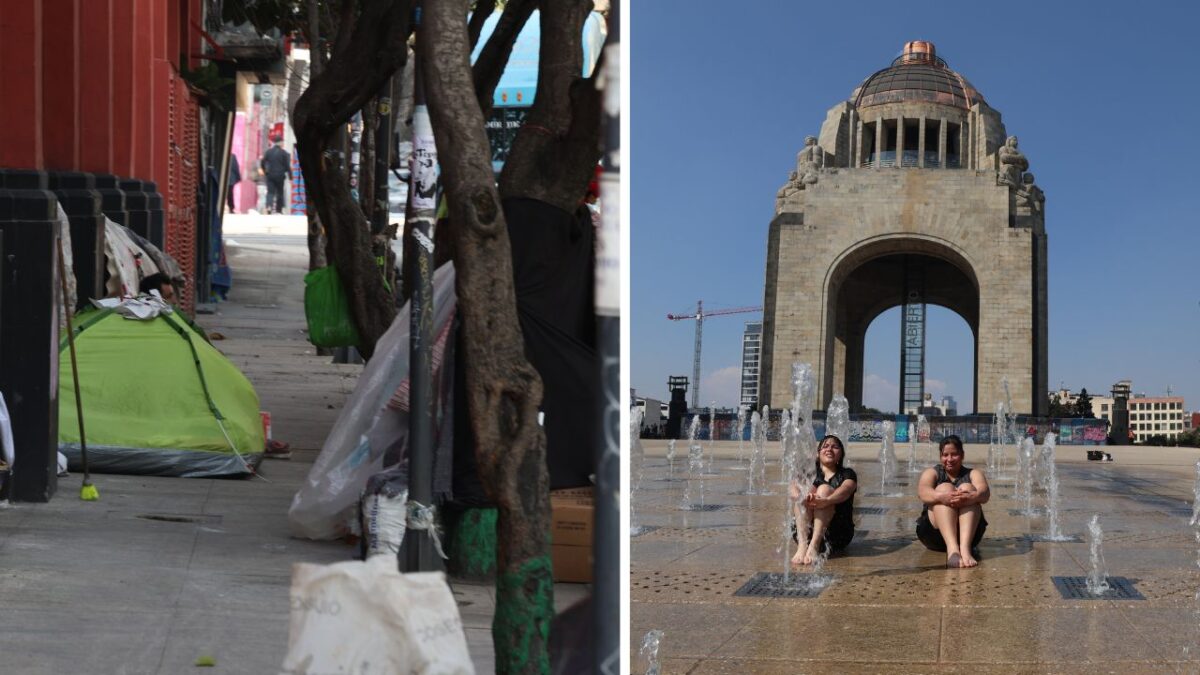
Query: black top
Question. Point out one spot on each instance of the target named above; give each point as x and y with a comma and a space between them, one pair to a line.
843, 514
235, 171
276, 162
964, 476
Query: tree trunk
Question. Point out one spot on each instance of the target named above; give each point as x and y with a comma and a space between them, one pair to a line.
503, 389
316, 55
366, 54
366, 161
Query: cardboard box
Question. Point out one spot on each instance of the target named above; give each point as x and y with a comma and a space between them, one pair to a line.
573, 494
571, 564
572, 515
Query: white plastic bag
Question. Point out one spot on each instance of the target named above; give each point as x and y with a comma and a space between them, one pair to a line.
6, 437
367, 618
326, 505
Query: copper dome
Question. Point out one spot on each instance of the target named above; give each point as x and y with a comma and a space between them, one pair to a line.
918, 74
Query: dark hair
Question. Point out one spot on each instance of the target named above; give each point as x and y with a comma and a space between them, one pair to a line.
841, 458
155, 282
951, 440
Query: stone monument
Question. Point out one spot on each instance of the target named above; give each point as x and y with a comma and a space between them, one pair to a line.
912, 194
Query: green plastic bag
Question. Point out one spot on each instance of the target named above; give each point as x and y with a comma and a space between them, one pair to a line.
327, 311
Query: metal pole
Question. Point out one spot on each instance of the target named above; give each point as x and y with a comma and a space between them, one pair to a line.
419, 555
607, 544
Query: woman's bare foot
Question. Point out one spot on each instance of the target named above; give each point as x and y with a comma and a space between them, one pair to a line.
968, 560
798, 559
954, 560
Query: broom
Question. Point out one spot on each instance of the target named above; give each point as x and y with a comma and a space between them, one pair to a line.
88, 492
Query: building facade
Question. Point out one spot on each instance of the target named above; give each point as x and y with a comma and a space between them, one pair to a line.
751, 357
1156, 416
913, 194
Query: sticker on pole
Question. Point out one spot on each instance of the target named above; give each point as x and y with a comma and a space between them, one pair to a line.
608, 247
424, 158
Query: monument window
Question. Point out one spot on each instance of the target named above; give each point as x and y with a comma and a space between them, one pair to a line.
868, 144
912, 142
952, 143
890, 136
933, 130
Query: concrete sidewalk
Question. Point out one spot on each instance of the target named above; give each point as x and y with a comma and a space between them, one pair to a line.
162, 571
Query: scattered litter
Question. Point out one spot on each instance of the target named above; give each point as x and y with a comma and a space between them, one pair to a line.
206, 662
277, 450
216, 336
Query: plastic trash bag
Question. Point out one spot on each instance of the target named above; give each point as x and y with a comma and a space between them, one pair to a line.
6, 437
327, 310
368, 618
326, 505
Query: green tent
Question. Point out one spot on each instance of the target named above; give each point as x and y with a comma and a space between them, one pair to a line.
157, 400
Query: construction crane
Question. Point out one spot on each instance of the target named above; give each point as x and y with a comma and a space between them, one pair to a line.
699, 316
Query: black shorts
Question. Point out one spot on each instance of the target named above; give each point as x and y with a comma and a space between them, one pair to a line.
932, 537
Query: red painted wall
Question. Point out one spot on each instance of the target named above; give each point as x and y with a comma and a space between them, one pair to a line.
60, 84
21, 121
94, 85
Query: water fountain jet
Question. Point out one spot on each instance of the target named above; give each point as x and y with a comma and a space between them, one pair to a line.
1097, 581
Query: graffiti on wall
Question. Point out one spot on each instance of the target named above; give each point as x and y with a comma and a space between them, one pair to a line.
974, 429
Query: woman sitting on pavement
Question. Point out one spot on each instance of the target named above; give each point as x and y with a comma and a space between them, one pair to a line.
829, 506
952, 521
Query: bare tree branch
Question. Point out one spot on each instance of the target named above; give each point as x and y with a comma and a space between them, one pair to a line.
483, 10
489, 66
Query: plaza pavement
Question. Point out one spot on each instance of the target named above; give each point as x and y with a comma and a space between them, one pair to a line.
893, 607
163, 571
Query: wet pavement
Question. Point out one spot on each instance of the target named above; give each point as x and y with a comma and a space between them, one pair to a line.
893, 606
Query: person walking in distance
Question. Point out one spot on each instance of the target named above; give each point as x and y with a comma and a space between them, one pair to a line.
235, 177
274, 165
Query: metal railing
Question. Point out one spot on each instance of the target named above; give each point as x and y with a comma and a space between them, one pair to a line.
909, 159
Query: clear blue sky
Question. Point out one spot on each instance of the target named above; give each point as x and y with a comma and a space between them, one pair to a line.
1102, 95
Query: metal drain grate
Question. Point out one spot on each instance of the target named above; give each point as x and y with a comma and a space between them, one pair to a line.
772, 585
1075, 588
704, 507
872, 510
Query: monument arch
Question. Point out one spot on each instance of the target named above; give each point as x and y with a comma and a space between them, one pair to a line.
913, 195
